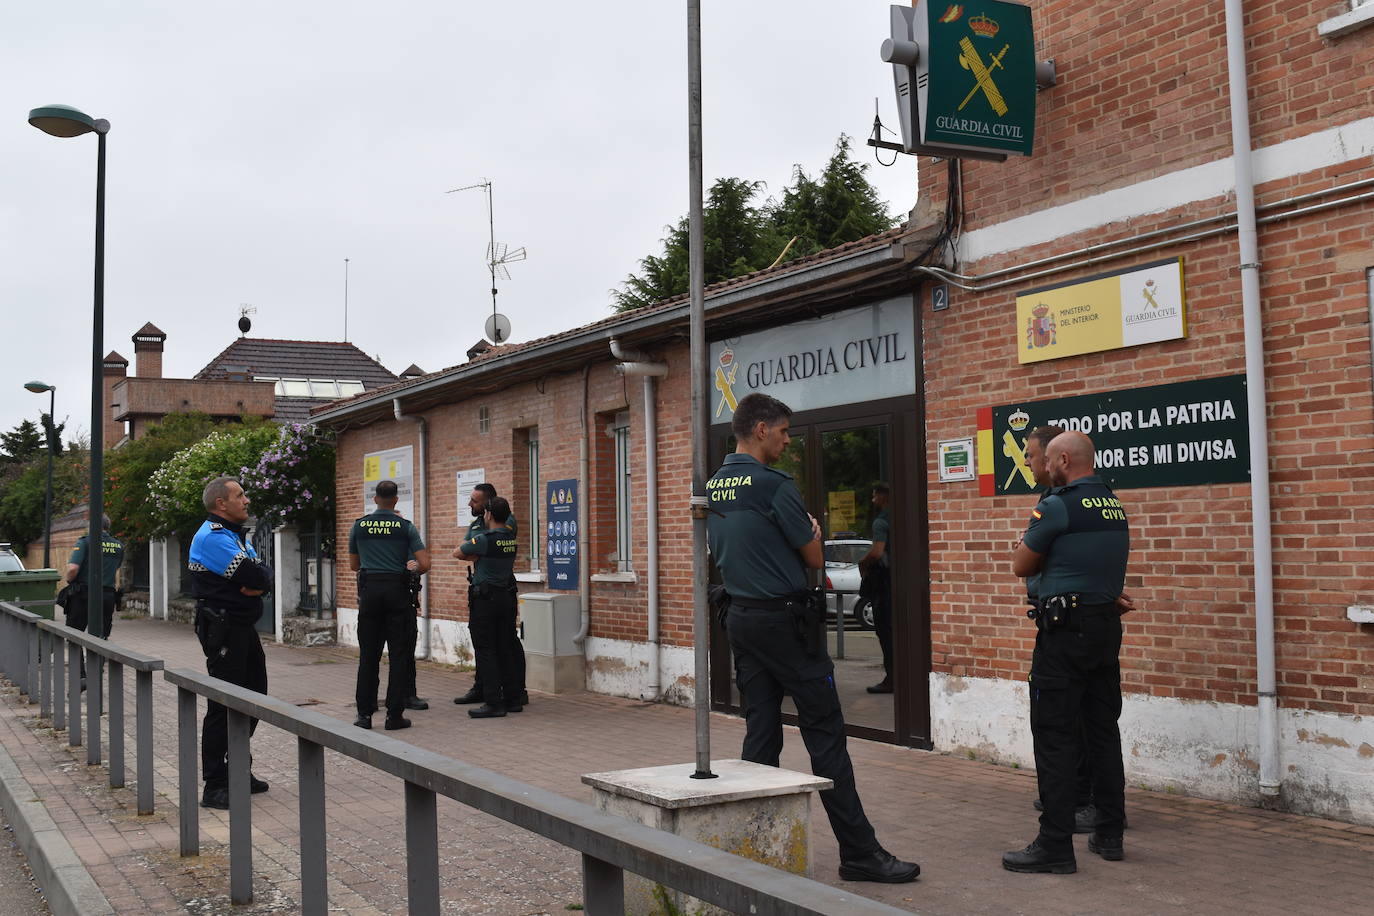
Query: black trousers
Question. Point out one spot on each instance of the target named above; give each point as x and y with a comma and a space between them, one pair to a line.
411, 690
500, 658
1075, 701
244, 664
770, 662
882, 626
517, 660
78, 615
386, 617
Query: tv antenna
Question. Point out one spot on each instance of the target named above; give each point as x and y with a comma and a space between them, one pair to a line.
245, 323
499, 254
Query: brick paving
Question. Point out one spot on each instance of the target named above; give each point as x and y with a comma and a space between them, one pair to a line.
955, 816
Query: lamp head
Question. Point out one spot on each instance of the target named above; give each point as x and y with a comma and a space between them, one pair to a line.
39, 387
65, 121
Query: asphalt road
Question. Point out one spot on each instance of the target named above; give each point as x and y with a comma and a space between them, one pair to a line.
17, 888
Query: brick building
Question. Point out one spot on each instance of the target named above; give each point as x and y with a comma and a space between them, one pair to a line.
1100, 281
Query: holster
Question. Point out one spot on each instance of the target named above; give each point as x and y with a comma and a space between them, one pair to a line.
718, 600
362, 581
416, 584
212, 629
1053, 612
808, 616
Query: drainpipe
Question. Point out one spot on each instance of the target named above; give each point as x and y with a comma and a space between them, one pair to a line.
584, 591
423, 490
1256, 403
635, 363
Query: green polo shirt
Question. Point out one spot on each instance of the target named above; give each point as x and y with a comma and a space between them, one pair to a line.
756, 526
478, 526
494, 550
112, 555
1081, 530
384, 542
882, 531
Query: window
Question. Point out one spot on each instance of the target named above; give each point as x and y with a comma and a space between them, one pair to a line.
293, 388
620, 432
348, 389
312, 388
483, 419
534, 499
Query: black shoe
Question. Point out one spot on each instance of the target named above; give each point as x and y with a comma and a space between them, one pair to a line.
487, 711
1109, 848
417, 703
879, 865
885, 686
396, 721
1037, 859
472, 696
256, 785
515, 707
1085, 819
523, 699
215, 798
363, 721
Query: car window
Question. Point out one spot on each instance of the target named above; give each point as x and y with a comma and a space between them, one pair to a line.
9, 561
851, 552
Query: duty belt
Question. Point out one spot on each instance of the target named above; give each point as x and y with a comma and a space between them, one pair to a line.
766, 604
386, 576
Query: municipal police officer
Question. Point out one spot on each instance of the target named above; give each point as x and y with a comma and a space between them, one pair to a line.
228, 581
112, 552
491, 612
385, 549
1078, 541
477, 503
762, 541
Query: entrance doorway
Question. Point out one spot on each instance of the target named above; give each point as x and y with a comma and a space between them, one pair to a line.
838, 456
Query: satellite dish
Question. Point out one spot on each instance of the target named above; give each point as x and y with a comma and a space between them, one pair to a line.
497, 328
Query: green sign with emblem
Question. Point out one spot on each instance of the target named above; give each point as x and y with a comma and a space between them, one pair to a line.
978, 90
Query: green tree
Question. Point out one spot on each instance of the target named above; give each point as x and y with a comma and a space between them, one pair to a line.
21, 444
22, 499
133, 514
742, 236
175, 488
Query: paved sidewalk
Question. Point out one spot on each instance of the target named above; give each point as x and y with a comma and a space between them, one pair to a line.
952, 815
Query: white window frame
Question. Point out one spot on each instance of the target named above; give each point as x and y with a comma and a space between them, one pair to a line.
624, 503
534, 500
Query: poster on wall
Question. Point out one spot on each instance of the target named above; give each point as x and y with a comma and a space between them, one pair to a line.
393, 464
1178, 435
956, 459
1122, 309
467, 480
561, 534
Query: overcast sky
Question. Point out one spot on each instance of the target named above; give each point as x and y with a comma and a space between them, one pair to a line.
254, 146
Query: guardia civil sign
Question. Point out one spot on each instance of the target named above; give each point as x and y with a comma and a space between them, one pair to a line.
979, 63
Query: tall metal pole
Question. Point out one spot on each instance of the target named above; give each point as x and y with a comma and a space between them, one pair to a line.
345, 337
697, 286
95, 554
47, 495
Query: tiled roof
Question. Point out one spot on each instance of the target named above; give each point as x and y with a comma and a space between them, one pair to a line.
298, 359
150, 330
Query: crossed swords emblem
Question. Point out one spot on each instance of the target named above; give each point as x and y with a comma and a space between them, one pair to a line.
724, 384
970, 59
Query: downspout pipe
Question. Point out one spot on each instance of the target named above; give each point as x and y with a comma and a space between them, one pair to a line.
1262, 533
633, 362
423, 490
584, 591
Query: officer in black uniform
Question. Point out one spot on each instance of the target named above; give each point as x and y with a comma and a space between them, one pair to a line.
385, 549
763, 541
1078, 541
482, 494
491, 612
78, 575
228, 581
876, 570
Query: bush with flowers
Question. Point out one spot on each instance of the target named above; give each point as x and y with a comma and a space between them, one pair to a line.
293, 480
175, 488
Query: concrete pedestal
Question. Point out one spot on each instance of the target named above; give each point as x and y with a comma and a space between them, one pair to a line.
759, 812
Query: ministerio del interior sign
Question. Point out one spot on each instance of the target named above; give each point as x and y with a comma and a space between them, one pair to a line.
1184, 434
862, 354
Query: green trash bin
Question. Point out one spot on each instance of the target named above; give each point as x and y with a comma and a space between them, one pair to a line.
32, 589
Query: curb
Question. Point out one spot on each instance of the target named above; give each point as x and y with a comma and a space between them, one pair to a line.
68, 886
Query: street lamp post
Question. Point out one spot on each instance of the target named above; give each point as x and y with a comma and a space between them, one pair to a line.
39, 388
64, 121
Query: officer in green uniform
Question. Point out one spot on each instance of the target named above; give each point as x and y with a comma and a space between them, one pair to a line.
763, 540
477, 503
491, 612
1078, 541
385, 548
875, 567
112, 551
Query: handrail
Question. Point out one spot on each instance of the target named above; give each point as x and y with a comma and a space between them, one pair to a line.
609, 845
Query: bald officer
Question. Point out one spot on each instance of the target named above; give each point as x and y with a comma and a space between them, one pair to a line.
385, 548
763, 541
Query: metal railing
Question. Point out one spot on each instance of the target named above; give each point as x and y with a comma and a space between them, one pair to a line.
609, 845
38, 655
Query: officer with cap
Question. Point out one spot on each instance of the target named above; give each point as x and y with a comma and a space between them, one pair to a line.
763, 541
1078, 541
228, 581
491, 612
477, 504
385, 549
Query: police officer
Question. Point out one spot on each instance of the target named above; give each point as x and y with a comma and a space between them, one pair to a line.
877, 582
763, 541
491, 612
1078, 541
477, 504
385, 549
78, 575
228, 581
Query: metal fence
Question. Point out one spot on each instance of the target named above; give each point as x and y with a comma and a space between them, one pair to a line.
609, 845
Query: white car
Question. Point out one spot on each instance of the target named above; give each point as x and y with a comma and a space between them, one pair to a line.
9, 560
842, 579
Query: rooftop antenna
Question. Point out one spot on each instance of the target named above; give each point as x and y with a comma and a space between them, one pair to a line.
498, 256
345, 337
245, 323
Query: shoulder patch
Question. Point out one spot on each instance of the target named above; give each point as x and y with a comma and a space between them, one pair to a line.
1035, 513
215, 526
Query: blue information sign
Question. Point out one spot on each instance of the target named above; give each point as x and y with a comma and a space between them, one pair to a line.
560, 534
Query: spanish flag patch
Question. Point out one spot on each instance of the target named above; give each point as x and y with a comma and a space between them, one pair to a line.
1035, 513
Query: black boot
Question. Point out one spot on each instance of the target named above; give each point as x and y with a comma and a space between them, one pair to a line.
881, 866
1109, 848
488, 711
472, 696
1035, 858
